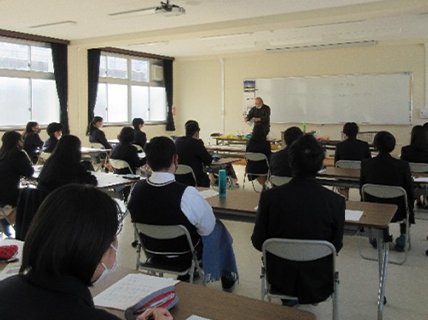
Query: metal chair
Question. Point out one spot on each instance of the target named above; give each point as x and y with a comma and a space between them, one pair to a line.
299, 251
255, 156
348, 164
165, 232
118, 164
420, 190
389, 192
4, 216
43, 157
183, 169
279, 180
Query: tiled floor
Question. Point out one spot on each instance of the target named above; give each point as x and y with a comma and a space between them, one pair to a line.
407, 285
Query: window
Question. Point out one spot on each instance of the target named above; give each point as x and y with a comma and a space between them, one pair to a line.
130, 87
27, 83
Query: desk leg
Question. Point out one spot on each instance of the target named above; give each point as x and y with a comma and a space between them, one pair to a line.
383, 256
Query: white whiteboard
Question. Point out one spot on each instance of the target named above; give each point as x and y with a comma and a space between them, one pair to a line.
371, 99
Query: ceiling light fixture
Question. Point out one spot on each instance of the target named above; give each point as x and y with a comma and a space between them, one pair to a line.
165, 8
70, 23
324, 46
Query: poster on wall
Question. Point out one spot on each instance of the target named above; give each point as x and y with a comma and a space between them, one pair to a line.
249, 95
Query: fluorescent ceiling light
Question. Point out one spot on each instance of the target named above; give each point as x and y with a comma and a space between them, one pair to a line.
150, 43
297, 40
59, 23
235, 46
132, 13
324, 46
226, 36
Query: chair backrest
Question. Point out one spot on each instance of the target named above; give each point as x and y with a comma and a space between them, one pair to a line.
348, 164
256, 156
139, 148
43, 157
29, 159
383, 191
118, 164
183, 169
418, 167
279, 180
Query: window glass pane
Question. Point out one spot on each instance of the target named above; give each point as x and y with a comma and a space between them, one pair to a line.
14, 56
14, 101
41, 59
101, 103
140, 102
140, 70
117, 68
103, 66
45, 101
157, 104
117, 110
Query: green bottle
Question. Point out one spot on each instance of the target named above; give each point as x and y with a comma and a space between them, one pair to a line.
304, 127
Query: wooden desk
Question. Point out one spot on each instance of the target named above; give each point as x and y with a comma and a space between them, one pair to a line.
213, 304
91, 151
224, 161
233, 151
237, 140
374, 223
339, 177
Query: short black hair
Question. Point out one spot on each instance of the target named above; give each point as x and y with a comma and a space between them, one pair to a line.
159, 153
52, 128
70, 232
306, 156
136, 122
419, 138
259, 133
351, 129
292, 134
126, 135
9, 145
384, 141
191, 127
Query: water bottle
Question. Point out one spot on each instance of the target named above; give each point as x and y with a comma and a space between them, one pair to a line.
222, 183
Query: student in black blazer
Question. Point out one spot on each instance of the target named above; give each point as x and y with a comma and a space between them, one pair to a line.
387, 170
417, 151
127, 152
54, 130
95, 134
285, 212
140, 137
192, 152
32, 141
279, 162
258, 144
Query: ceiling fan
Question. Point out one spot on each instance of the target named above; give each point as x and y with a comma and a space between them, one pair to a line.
166, 8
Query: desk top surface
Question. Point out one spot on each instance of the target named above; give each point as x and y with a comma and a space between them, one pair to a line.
213, 304
334, 172
223, 161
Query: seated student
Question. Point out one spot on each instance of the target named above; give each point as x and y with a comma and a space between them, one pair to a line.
139, 136
285, 212
32, 141
160, 200
258, 144
70, 246
417, 151
387, 170
95, 134
127, 152
279, 162
54, 131
13, 164
64, 166
351, 149
191, 151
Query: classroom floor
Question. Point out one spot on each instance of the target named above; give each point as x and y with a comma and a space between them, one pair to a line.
406, 289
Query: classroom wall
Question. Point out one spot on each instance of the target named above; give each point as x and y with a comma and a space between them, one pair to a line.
198, 83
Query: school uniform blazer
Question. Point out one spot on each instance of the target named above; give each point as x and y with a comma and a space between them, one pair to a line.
386, 170
33, 296
50, 145
300, 209
193, 153
32, 144
140, 138
352, 149
279, 163
128, 153
98, 136
258, 147
410, 154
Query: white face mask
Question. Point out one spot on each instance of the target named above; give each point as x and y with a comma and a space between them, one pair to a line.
106, 270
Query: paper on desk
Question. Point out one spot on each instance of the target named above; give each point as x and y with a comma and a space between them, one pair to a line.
353, 215
11, 269
193, 317
130, 290
421, 179
208, 193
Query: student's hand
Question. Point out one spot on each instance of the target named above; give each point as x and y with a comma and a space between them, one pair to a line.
155, 314
257, 119
246, 119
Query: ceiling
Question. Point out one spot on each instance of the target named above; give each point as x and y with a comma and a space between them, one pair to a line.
215, 27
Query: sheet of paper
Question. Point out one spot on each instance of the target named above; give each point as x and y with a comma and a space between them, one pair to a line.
193, 317
11, 269
208, 193
130, 290
421, 179
353, 215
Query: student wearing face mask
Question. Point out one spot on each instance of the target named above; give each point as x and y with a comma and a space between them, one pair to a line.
54, 131
70, 246
32, 141
260, 113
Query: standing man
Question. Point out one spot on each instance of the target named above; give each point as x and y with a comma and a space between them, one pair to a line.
260, 113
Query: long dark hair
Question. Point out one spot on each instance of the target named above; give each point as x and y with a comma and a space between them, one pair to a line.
9, 144
91, 126
258, 133
418, 139
29, 128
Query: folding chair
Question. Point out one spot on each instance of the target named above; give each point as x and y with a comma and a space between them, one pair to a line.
98, 161
298, 251
420, 190
389, 193
4, 217
279, 180
255, 156
164, 232
138, 147
43, 157
118, 164
183, 169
